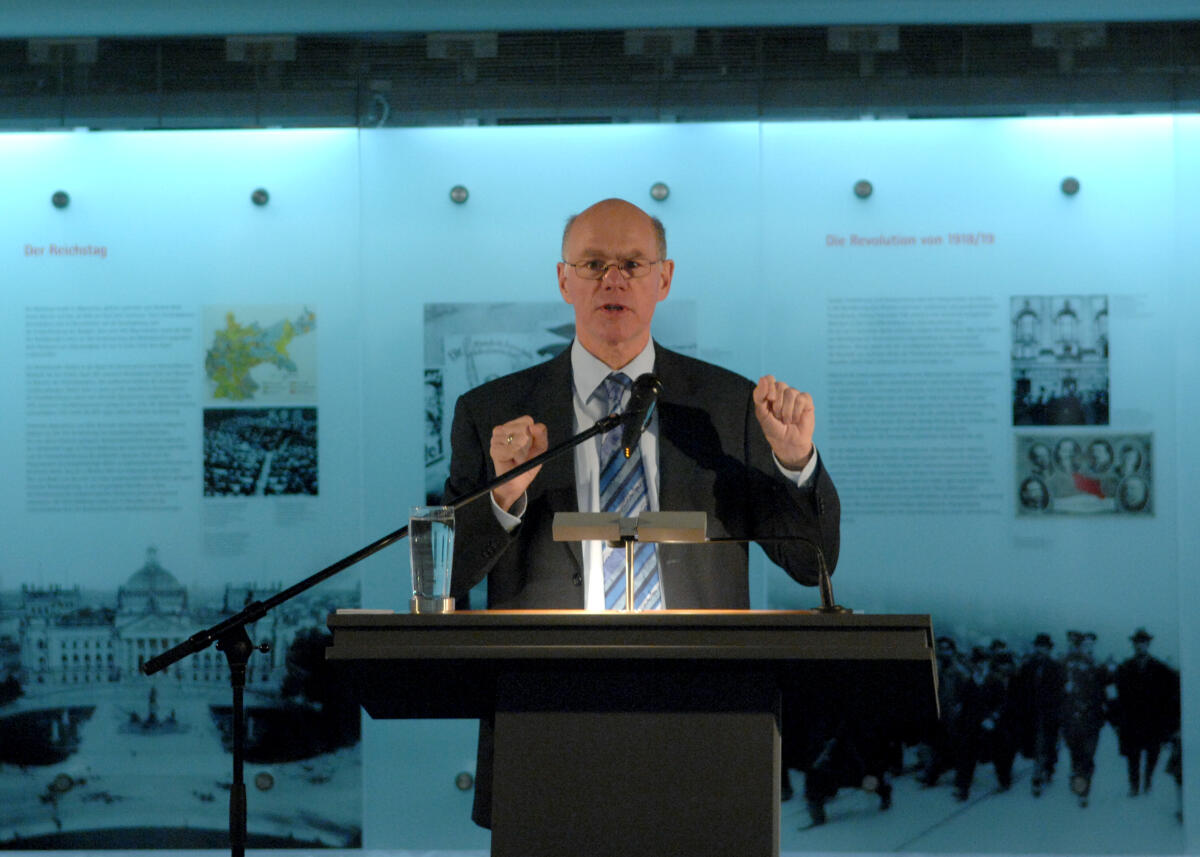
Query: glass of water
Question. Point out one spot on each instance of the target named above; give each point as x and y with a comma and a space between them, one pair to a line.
431, 546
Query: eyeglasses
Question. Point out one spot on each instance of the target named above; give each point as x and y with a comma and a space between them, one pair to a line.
595, 269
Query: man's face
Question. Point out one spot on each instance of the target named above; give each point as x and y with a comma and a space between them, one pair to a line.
1131, 460
612, 315
1101, 456
1134, 492
1067, 454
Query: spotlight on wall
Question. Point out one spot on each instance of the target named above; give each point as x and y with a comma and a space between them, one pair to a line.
863, 188
659, 191
260, 196
60, 199
459, 194
1070, 186
464, 781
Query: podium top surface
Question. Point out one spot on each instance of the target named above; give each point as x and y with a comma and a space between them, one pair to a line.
450, 665
658, 635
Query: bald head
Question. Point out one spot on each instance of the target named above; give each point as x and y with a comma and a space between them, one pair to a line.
613, 312
615, 205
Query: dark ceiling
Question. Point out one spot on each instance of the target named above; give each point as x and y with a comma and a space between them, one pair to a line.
548, 77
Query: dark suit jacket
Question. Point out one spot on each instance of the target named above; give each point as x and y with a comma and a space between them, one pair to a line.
712, 458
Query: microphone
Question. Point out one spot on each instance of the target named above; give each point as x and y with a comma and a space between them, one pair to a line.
642, 400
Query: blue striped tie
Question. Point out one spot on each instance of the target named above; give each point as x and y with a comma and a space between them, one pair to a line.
623, 489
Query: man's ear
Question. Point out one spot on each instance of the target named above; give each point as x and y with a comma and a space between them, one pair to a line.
562, 282
664, 280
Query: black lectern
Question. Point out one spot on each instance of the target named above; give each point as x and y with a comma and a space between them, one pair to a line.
644, 733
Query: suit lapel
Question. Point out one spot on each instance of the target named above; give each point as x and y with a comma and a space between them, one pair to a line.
672, 463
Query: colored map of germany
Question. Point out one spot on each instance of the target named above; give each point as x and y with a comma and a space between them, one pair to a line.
238, 348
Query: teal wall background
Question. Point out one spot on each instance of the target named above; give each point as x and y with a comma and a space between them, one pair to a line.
360, 226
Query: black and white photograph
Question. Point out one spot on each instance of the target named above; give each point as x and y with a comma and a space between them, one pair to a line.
96, 755
260, 452
1060, 373
1059, 740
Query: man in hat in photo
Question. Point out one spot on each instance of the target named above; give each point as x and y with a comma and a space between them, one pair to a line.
1037, 694
974, 737
952, 675
1083, 710
1147, 710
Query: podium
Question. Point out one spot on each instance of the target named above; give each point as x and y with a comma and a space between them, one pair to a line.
643, 733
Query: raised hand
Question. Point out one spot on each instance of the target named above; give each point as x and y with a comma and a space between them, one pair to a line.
787, 419
514, 443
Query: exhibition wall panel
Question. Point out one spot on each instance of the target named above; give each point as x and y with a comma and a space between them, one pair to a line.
210, 398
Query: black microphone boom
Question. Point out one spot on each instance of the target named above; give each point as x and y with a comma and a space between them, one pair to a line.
646, 390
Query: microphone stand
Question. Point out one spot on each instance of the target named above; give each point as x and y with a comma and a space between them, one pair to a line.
824, 581
232, 639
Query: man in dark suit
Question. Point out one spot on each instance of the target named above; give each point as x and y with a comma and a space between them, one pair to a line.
742, 453
1037, 699
1084, 704
1147, 710
716, 433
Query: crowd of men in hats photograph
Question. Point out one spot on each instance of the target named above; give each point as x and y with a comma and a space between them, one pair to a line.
998, 706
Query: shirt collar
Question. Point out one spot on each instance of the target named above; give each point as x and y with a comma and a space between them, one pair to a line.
588, 371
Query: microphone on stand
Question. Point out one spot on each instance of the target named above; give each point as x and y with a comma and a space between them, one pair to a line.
642, 401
